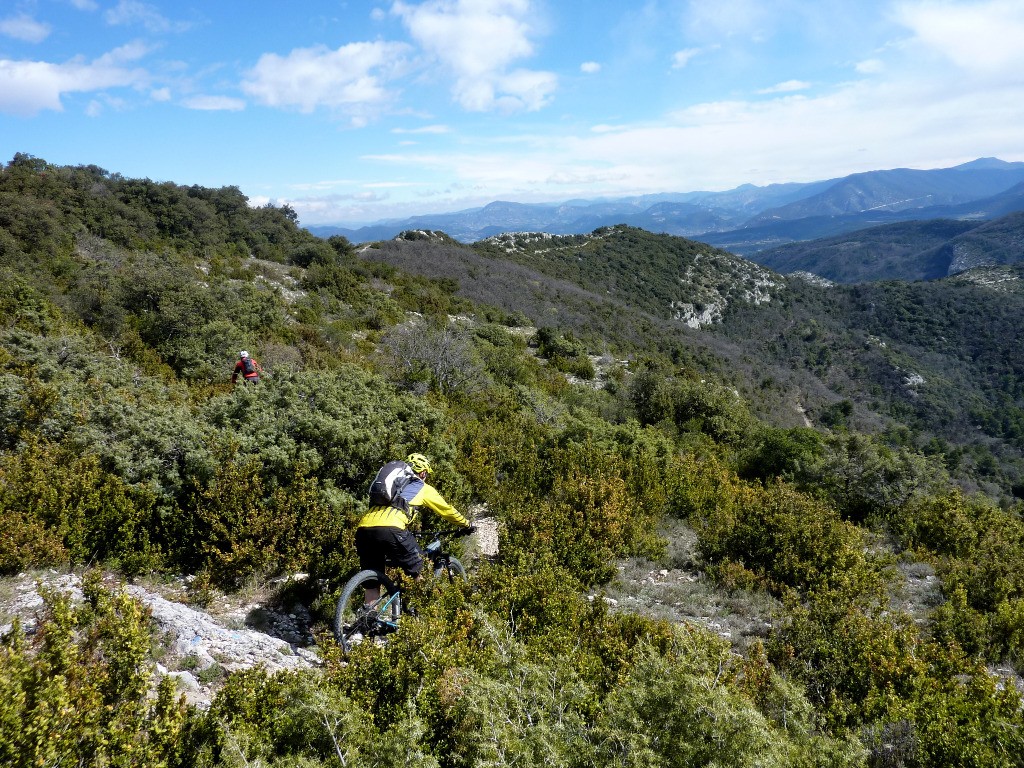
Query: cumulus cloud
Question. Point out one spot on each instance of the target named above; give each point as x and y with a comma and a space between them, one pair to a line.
353, 78
980, 37
124, 54
789, 86
590, 67
858, 126
478, 41
681, 58
214, 103
910, 115
523, 89
24, 27
29, 87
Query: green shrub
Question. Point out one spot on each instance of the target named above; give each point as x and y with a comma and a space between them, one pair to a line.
26, 542
789, 454
76, 509
850, 658
239, 528
785, 538
585, 513
78, 691
684, 708
869, 481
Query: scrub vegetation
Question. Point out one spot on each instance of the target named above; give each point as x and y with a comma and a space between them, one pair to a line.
594, 432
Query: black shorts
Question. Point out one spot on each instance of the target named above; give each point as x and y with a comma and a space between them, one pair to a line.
381, 545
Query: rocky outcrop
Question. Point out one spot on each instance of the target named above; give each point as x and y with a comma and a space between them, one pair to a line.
197, 646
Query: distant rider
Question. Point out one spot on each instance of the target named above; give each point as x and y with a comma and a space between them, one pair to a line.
248, 368
383, 535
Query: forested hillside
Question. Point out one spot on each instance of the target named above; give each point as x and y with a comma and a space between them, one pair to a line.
909, 250
917, 250
598, 408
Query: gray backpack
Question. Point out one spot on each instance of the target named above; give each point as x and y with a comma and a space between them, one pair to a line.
386, 488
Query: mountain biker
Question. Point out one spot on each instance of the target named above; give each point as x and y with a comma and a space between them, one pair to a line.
248, 367
383, 534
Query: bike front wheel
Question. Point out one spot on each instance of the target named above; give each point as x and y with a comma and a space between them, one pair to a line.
355, 620
453, 570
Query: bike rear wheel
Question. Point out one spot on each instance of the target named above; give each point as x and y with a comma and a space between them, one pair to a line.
355, 621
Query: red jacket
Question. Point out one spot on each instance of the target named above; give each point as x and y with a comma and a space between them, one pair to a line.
254, 375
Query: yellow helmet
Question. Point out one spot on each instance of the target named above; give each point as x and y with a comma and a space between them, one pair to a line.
418, 462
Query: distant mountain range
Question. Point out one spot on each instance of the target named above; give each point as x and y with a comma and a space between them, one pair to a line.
747, 219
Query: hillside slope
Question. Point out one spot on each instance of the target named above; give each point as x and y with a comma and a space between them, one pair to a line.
903, 251
791, 346
906, 251
684, 578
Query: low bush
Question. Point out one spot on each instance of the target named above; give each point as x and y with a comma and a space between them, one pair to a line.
77, 690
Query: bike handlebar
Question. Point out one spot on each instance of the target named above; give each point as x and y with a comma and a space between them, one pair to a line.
446, 534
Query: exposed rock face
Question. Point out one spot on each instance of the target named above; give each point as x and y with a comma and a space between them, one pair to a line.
714, 280
965, 257
695, 318
198, 648
197, 633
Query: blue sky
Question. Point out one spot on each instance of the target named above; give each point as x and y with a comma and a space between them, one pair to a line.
363, 110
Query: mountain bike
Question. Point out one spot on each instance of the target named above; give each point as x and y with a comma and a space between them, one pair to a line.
355, 621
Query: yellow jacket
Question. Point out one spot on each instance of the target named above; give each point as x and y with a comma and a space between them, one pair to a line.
426, 496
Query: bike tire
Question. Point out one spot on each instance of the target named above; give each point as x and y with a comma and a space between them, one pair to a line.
349, 621
454, 570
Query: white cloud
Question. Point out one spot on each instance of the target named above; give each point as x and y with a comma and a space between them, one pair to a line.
85, 5
980, 37
29, 87
436, 129
715, 19
681, 58
789, 86
524, 89
160, 94
322, 185
214, 103
590, 67
858, 126
352, 78
24, 27
128, 52
870, 66
132, 12
477, 41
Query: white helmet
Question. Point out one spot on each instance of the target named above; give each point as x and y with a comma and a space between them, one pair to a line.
243, 353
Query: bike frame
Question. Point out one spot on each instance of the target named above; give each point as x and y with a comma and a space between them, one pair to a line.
385, 614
